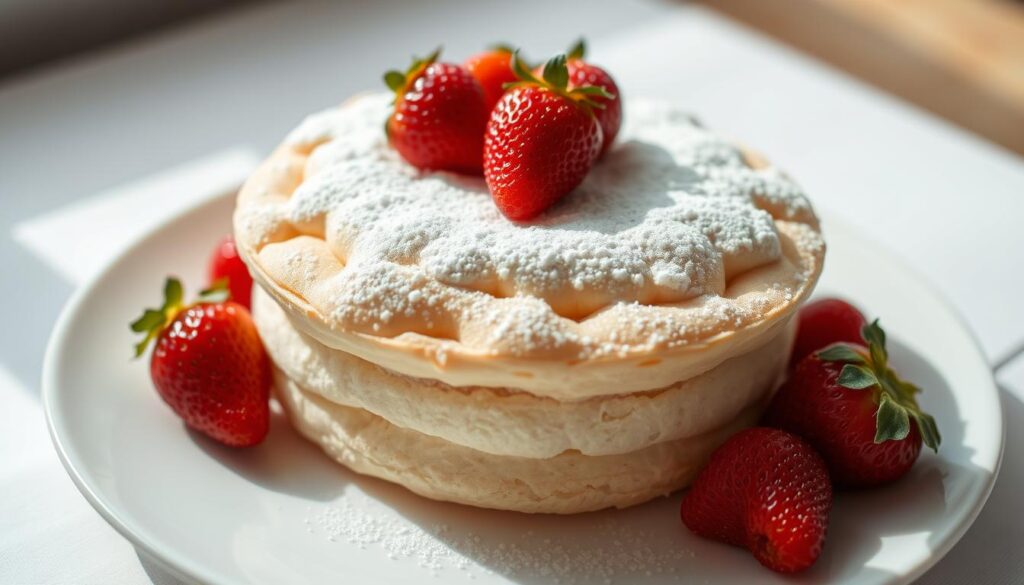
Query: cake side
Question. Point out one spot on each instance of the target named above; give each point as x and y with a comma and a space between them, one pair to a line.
507, 421
434, 468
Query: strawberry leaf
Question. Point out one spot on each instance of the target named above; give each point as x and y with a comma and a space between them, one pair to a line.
149, 319
425, 61
892, 422
173, 293
594, 90
153, 321
857, 377
395, 80
897, 398
218, 292
900, 388
140, 347
556, 73
578, 50
522, 70
876, 338
929, 430
840, 352
555, 78
502, 48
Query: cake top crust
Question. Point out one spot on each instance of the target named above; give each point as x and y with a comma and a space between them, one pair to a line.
675, 238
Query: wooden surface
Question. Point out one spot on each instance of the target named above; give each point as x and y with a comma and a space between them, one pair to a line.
960, 59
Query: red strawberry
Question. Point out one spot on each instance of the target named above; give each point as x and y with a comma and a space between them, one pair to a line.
227, 264
861, 417
768, 491
826, 322
439, 117
541, 140
492, 70
209, 365
582, 74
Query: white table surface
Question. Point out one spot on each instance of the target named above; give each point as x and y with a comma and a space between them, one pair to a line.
71, 136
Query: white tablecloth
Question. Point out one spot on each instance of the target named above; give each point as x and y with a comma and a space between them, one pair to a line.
946, 201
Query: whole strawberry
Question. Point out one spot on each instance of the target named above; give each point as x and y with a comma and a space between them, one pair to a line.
582, 74
825, 322
226, 264
209, 365
439, 117
542, 140
863, 419
768, 491
492, 69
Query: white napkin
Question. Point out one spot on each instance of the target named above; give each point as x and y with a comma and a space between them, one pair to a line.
101, 226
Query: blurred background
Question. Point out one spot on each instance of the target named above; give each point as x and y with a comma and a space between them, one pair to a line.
960, 59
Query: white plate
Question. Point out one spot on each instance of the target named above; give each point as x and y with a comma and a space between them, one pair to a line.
284, 513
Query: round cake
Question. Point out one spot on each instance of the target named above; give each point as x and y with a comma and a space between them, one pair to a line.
591, 358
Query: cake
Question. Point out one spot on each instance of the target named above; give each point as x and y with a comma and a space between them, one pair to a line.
592, 358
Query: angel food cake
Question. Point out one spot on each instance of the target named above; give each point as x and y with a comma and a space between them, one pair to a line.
591, 358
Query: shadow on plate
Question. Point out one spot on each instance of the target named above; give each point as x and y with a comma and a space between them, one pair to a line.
285, 462
643, 544
648, 544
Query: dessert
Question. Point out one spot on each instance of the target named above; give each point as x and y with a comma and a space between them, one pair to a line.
597, 320
601, 352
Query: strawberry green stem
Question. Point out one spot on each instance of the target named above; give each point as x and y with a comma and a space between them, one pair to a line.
555, 78
896, 398
152, 322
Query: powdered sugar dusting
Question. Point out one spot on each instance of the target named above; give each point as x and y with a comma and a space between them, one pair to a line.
602, 548
669, 214
675, 236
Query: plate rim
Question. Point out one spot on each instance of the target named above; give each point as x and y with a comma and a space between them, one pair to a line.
180, 568
968, 519
183, 569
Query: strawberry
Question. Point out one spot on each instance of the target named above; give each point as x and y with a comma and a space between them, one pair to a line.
209, 365
826, 322
582, 74
492, 70
863, 419
226, 264
439, 117
541, 140
768, 491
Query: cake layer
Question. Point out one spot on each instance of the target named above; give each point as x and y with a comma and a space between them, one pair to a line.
434, 468
513, 422
678, 252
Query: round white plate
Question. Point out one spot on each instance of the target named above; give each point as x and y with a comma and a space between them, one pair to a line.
284, 513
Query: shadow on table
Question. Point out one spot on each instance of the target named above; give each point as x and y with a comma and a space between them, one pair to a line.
993, 555
156, 572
